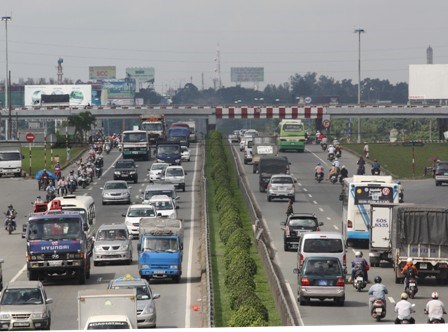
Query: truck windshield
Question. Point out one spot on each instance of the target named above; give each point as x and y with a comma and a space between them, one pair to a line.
168, 149
8, 156
134, 137
160, 244
152, 126
54, 229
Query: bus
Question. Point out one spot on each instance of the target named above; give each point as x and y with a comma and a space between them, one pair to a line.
291, 135
357, 194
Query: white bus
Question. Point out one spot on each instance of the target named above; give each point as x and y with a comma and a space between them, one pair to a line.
85, 205
358, 192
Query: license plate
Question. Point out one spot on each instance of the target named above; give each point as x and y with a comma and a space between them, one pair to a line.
423, 266
378, 310
159, 272
412, 284
134, 152
55, 263
322, 283
21, 324
359, 279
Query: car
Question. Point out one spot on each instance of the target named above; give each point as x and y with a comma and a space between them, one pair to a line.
297, 224
176, 176
24, 305
116, 191
281, 186
126, 170
133, 215
112, 243
234, 137
184, 153
157, 171
441, 173
320, 277
248, 155
146, 307
159, 189
164, 205
242, 143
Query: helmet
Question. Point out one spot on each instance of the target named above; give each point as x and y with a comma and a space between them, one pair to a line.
10, 206
318, 164
72, 171
435, 295
409, 260
358, 254
336, 159
378, 279
343, 166
404, 296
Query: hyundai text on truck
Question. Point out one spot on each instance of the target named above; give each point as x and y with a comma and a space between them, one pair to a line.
135, 145
420, 232
155, 126
107, 309
159, 252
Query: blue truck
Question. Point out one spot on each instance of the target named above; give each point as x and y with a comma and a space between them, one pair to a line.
159, 252
169, 153
58, 246
180, 135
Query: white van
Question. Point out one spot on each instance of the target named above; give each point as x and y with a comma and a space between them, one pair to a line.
11, 162
159, 189
85, 205
328, 244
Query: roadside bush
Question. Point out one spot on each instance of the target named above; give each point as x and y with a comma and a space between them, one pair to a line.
238, 276
247, 316
238, 251
230, 213
238, 239
227, 229
242, 261
249, 298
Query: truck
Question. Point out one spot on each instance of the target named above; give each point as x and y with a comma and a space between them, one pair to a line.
58, 245
263, 146
420, 232
160, 251
10, 159
191, 127
107, 309
268, 166
168, 152
155, 126
180, 135
135, 145
174, 225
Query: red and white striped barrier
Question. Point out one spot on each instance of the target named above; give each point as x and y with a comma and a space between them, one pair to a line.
269, 112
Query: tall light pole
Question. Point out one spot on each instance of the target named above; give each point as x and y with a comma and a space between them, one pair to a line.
359, 31
8, 134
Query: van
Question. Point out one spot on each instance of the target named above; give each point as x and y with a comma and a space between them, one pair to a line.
159, 189
328, 244
85, 205
11, 162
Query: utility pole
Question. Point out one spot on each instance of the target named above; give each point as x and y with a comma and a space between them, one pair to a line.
8, 134
359, 31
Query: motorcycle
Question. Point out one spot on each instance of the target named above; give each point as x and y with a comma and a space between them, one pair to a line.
83, 180
98, 171
107, 148
334, 178
412, 289
338, 154
376, 171
434, 320
50, 196
9, 224
42, 183
358, 281
319, 177
407, 321
323, 146
62, 191
71, 186
330, 156
378, 310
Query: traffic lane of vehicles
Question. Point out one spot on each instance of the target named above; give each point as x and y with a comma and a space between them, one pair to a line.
328, 202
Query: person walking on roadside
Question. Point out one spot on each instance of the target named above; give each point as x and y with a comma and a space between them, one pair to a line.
289, 209
366, 150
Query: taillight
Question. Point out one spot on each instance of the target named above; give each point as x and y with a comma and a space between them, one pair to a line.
302, 140
305, 281
349, 224
340, 282
287, 230
300, 260
317, 229
269, 186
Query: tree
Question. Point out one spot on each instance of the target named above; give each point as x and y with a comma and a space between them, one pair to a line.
82, 122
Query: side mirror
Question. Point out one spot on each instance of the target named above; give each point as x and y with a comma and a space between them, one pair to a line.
321, 223
85, 227
185, 173
130, 187
177, 206
123, 214
48, 301
136, 166
155, 296
283, 223
130, 237
101, 188
296, 271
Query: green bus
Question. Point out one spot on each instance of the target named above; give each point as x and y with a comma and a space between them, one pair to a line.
291, 135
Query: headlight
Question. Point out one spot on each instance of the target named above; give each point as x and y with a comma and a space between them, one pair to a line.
172, 216
5, 316
132, 172
37, 257
144, 266
175, 267
117, 172
125, 247
39, 315
74, 256
98, 248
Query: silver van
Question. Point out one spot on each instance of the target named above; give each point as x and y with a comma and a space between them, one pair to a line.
328, 244
159, 189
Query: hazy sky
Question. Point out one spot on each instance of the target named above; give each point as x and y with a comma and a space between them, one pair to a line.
179, 38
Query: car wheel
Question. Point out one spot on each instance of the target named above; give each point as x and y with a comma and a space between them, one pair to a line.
269, 198
82, 276
135, 180
95, 263
176, 279
437, 183
303, 300
103, 202
285, 246
340, 301
293, 198
183, 189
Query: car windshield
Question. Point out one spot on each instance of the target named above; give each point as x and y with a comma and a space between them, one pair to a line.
302, 223
115, 185
141, 212
111, 235
323, 245
322, 267
22, 296
174, 172
158, 166
151, 193
168, 149
163, 205
143, 293
282, 179
124, 164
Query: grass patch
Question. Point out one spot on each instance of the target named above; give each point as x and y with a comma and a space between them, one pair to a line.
38, 158
221, 296
397, 159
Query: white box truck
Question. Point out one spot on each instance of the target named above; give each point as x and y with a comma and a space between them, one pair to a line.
107, 309
10, 159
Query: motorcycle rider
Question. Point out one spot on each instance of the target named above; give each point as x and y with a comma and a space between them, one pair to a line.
51, 191
318, 170
404, 310
377, 292
359, 263
409, 271
343, 173
375, 167
333, 171
337, 164
90, 171
435, 309
12, 214
338, 150
62, 186
331, 150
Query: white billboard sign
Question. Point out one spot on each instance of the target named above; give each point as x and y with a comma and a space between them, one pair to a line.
246, 74
80, 95
428, 82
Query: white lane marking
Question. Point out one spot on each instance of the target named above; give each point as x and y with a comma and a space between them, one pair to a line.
23, 269
321, 210
304, 189
310, 196
190, 246
315, 202
336, 227
328, 218
299, 184
391, 299
296, 306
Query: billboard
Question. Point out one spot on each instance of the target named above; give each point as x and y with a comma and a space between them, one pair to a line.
119, 89
80, 94
102, 73
143, 76
246, 74
428, 82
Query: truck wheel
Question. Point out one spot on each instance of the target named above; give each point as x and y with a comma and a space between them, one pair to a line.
136, 180
176, 279
183, 189
269, 198
82, 276
33, 275
285, 246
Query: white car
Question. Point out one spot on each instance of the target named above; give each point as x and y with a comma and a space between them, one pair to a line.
184, 153
175, 175
164, 205
157, 171
135, 213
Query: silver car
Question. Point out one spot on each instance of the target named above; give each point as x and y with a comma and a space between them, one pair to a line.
157, 171
24, 306
112, 244
116, 191
146, 307
281, 186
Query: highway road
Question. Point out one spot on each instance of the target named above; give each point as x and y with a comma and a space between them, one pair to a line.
323, 200
174, 308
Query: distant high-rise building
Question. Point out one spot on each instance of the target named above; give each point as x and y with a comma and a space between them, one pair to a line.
429, 56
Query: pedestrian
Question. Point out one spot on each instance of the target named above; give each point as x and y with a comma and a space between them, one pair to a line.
69, 151
366, 150
289, 209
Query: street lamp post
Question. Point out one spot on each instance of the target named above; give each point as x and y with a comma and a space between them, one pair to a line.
8, 134
359, 31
